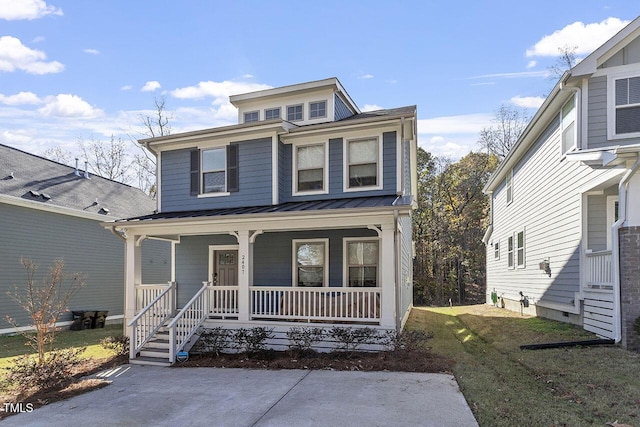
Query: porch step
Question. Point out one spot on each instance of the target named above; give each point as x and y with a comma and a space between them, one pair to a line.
145, 360
155, 352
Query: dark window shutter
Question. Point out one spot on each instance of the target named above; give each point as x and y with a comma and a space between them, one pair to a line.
195, 172
233, 181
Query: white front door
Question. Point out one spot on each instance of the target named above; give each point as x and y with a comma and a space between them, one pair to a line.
225, 268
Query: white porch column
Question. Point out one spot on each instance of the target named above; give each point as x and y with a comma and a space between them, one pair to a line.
132, 277
388, 275
244, 261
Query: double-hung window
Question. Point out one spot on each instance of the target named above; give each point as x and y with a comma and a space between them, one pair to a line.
310, 168
272, 113
310, 262
510, 260
251, 116
627, 107
569, 125
214, 171
496, 250
294, 113
317, 109
520, 249
361, 262
363, 163
509, 186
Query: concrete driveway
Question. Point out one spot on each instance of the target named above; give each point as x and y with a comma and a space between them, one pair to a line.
155, 396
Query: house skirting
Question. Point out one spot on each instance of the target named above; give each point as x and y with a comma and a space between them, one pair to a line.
629, 285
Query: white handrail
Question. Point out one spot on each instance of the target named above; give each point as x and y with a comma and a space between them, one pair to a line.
187, 321
151, 318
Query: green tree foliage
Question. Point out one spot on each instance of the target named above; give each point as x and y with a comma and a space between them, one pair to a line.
449, 224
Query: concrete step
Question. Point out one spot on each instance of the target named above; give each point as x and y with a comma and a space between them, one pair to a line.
155, 361
155, 352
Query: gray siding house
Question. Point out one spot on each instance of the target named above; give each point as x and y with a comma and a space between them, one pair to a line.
298, 215
565, 202
50, 211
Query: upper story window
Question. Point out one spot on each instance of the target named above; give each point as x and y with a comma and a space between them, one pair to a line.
215, 171
627, 105
272, 113
362, 164
569, 125
317, 109
310, 261
310, 168
294, 113
361, 262
509, 186
251, 116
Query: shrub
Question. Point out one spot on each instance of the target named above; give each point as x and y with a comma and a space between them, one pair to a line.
350, 339
301, 339
215, 340
251, 340
407, 340
56, 370
118, 344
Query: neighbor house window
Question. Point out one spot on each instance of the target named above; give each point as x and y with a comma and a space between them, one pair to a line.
317, 109
310, 168
214, 171
496, 250
362, 263
272, 113
520, 249
569, 125
509, 186
627, 106
251, 116
510, 251
310, 259
294, 113
363, 157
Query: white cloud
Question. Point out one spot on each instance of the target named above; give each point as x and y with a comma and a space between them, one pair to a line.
150, 86
450, 147
26, 9
371, 107
22, 98
584, 37
126, 87
66, 105
465, 124
91, 51
16, 56
527, 101
247, 76
14, 138
220, 91
513, 75
366, 76
531, 64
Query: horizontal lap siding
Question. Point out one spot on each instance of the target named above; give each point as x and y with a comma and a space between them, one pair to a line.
547, 205
597, 223
254, 179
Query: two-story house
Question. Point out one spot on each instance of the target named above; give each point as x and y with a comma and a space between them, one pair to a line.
300, 214
564, 239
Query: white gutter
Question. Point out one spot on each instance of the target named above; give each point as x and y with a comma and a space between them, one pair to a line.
615, 261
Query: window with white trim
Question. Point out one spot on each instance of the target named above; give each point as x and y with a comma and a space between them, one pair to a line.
509, 186
272, 113
510, 252
496, 250
251, 116
627, 105
568, 124
214, 170
520, 261
317, 109
310, 262
310, 167
294, 113
363, 159
361, 261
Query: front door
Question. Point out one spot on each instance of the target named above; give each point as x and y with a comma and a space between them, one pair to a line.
225, 268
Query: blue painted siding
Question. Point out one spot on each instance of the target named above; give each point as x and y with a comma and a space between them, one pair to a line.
255, 180
341, 110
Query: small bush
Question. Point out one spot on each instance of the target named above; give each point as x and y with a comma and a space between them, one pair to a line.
118, 344
407, 340
215, 340
350, 339
56, 370
251, 340
301, 339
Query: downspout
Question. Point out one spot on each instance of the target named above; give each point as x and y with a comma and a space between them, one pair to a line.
615, 245
118, 234
397, 271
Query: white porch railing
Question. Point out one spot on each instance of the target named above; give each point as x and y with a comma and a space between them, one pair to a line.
316, 304
151, 318
187, 321
223, 301
598, 270
147, 293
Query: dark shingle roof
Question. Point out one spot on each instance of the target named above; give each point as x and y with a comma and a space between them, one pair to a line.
40, 180
288, 207
404, 111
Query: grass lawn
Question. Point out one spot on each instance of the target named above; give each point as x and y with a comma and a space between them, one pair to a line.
506, 386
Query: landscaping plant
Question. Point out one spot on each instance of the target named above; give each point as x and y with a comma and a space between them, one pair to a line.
350, 339
302, 339
215, 340
251, 340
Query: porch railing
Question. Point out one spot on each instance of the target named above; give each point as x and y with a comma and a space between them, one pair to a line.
316, 304
598, 270
151, 318
223, 301
187, 321
147, 293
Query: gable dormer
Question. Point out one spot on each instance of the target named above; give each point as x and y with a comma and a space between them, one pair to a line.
321, 101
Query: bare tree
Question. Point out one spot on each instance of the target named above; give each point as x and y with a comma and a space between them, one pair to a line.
109, 160
508, 125
58, 154
566, 60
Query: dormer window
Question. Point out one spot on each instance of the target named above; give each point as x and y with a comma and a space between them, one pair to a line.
272, 113
317, 109
251, 116
294, 113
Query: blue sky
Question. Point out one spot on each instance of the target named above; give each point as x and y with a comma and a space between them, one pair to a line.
73, 70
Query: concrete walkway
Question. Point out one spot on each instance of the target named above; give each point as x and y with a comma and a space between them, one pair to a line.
154, 396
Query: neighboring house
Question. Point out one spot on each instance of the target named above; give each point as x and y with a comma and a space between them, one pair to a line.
565, 202
298, 215
50, 211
